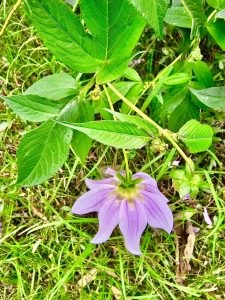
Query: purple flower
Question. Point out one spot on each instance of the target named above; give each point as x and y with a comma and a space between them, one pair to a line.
132, 207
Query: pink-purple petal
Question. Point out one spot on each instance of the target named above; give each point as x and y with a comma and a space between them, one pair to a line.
108, 219
92, 200
110, 171
132, 223
113, 173
147, 179
92, 184
159, 214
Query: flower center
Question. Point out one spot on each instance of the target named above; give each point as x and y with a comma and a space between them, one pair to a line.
129, 193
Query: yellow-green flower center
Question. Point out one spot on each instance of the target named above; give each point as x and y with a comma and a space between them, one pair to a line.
127, 193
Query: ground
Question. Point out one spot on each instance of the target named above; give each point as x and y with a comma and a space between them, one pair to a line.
45, 251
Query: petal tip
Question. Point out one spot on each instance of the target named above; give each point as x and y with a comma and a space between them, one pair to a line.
97, 240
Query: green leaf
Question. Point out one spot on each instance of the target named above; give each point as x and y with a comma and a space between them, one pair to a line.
133, 96
184, 112
55, 87
218, 4
177, 16
113, 133
196, 136
42, 152
154, 12
114, 28
177, 78
203, 74
216, 29
79, 112
196, 11
139, 122
173, 98
212, 97
131, 74
32, 108
64, 34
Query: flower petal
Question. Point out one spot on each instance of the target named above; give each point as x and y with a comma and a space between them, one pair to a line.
110, 171
92, 200
113, 173
108, 219
147, 179
158, 212
154, 190
132, 223
92, 184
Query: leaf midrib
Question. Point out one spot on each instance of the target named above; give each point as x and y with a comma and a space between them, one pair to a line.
115, 132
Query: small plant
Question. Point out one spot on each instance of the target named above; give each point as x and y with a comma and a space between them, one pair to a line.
134, 111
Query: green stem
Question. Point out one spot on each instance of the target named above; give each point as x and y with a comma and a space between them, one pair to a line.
109, 100
127, 165
124, 151
163, 132
152, 83
211, 16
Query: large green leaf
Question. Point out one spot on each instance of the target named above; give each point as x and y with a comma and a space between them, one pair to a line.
42, 152
217, 31
196, 136
55, 87
212, 97
113, 26
184, 112
79, 112
154, 12
32, 108
113, 133
196, 11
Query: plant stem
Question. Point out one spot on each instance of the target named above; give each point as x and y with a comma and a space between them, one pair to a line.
124, 151
137, 110
163, 132
126, 165
109, 100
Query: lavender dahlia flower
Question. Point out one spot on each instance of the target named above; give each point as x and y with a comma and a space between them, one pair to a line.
132, 206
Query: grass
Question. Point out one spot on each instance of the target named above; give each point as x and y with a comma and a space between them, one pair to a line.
45, 251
